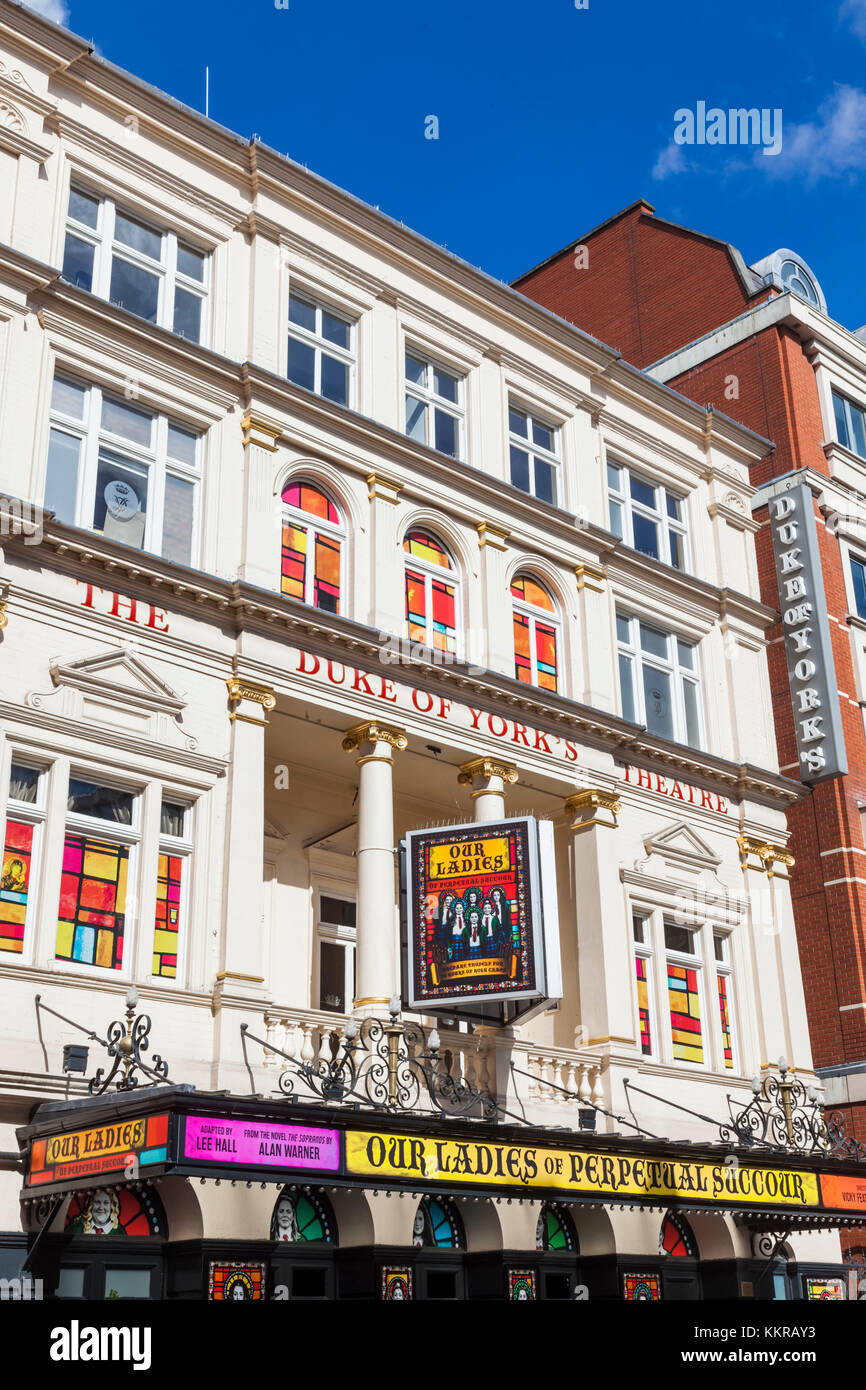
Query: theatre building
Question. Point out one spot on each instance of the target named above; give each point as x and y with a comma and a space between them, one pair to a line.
405, 849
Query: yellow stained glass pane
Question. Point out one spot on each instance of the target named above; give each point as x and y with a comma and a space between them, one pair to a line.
105, 948
64, 938
165, 941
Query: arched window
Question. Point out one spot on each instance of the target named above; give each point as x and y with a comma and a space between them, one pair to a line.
302, 1216
536, 634
437, 1224
676, 1237
313, 534
431, 592
555, 1231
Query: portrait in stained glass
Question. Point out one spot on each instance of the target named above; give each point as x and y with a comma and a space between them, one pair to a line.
15, 884
685, 1012
92, 910
642, 1288
301, 1216
437, 1224
311, 547
116, 1211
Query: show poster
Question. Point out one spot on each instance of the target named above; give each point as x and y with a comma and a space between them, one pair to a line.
474, 913
255, 1144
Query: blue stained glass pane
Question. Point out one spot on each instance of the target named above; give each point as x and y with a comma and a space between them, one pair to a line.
84, 944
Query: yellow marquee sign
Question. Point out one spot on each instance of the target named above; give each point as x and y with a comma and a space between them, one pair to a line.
413, 1157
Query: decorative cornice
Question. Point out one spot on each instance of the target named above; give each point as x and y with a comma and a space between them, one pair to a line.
371, 731
486, 767
259, 431
768, 855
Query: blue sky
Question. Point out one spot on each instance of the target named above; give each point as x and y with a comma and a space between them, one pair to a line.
551, 118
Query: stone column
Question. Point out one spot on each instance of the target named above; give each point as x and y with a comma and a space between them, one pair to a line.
261, 509
603, 948
243, 964
377, 964
488, 778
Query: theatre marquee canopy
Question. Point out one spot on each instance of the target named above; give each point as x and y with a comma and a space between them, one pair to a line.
176, 1130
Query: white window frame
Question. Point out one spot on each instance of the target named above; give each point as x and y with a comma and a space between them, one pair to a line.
690, 961
527, 445
619, 496
320, 344
551, 619
432, 401
180, 847
644, 950
313, 524
29, 813
106, 248
337, 935
431, 571
88, 430
111, 832
679, 674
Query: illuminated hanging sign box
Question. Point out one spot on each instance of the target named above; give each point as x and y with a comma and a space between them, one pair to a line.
416, 1157
127, 1147
254, 1144
481, 917
808, 648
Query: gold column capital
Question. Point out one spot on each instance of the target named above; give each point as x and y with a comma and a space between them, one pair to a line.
381, 486
590, 800
371, 731
486, 767
240, 689
590, 576
767, 854
495, 536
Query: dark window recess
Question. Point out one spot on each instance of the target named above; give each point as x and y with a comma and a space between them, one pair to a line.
441, 1283
309, 1283
557, 1286
336, 911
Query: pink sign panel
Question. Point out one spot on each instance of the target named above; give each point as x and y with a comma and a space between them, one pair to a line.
256, 1144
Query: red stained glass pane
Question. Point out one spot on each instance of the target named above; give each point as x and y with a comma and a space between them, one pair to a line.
646, 1042
528, 590
676, 1238
294, 561
166, 932
685, 1014
327, 590
311, 500
725, 1015
92, 908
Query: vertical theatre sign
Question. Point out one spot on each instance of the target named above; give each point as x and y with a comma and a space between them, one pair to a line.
481, 917
808, 650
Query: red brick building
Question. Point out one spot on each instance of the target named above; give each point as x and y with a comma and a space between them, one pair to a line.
758, 344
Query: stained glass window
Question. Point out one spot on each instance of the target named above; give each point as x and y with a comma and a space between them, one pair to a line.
169, 884
92, 910
116, 1211
642, 972
431, 600
725, 1016
642, 1288
535, 639
554, 1230
437, 1224
302, 1216
685, 1008
676, 1237
311, 551
15, 884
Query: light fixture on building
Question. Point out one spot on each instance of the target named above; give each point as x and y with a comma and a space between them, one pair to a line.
75, 1057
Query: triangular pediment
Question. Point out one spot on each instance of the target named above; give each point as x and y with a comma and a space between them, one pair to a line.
118, 675
681, 846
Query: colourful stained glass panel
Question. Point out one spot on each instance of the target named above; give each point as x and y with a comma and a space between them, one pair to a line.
725, 1014
545, 656
444, 617
416, 607
311, 500
522, 649
524, 587
326, 593
15, 884
642, 1288
676, 1237
426, 547
526, 632
646, 1041
685, 1009
92, 908
294, 561
166, 933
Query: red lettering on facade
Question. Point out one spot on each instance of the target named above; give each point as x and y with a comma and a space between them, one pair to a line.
422, 694
519, 735
497, 733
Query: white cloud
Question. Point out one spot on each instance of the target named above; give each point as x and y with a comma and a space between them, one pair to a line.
55, 10
853, 12
671, 160
833, 145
